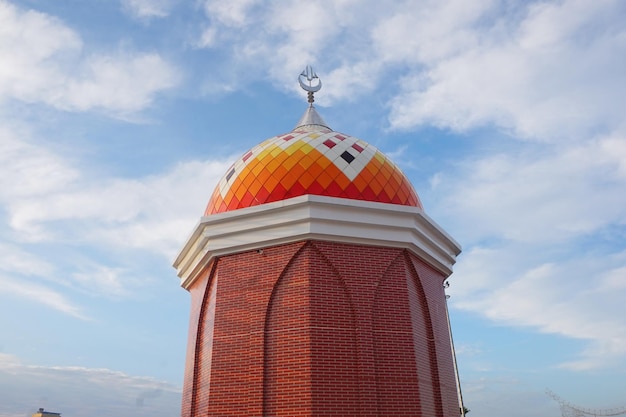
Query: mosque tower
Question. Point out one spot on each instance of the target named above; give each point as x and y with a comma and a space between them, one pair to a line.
316, 284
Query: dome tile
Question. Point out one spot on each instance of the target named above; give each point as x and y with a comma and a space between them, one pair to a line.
262, 194
311, 161
280, 172
324, 179
278, 193
264, 175
306, 179
315, 188
368, 194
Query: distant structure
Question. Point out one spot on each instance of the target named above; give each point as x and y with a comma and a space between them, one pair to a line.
570, 410
44, 413
317, 286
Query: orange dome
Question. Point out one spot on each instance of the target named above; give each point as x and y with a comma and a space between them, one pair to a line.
312, 159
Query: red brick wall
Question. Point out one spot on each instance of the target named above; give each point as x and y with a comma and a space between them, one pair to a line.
319, 329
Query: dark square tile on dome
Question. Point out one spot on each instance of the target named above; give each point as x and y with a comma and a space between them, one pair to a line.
347, 156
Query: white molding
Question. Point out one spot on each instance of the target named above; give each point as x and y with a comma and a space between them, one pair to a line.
311, 217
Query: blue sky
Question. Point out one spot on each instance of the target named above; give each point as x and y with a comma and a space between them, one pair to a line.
117, 118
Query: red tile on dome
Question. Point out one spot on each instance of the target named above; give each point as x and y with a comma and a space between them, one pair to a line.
233, 204
329, 143
246, 156
295, 190
315, 188
333, 190
277, 193
357, 147
247, 199
352, 192
368, 194
262, 195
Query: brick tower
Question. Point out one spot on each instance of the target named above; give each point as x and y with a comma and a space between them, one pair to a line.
316, 284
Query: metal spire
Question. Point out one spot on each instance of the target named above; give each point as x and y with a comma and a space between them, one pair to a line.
311, 83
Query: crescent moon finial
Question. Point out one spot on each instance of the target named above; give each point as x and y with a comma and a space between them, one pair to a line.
310, 76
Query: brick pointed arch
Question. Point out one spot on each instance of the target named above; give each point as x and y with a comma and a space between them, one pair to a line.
311, 364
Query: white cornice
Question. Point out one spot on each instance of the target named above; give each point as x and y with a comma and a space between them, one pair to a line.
320, 218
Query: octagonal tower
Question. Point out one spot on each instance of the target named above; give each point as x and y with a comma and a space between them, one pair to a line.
316, 281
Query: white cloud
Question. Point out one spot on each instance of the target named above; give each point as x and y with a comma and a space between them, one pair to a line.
539, 251
229, 13
495, 396
40, 294
511, 284
44, 62
83, 391
547, 71
552, 76
147, 9
47, 200
125, 83
149, 213
539, 194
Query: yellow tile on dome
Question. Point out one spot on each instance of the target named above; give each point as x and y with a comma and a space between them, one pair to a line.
256, 168
322, 160
265, 152
275, 151
380, 157
273, 164
307, 147
281, 157
293, 147
291, 161
306, 161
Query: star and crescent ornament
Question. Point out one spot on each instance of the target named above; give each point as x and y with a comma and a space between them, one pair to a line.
310, 82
